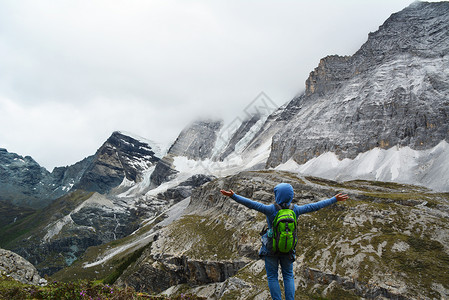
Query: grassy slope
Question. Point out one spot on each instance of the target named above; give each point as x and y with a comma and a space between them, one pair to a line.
34, 222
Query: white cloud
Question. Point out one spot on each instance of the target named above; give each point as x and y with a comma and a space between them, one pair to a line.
74, 71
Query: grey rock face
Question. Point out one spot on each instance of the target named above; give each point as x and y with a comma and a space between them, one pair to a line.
155, 276
64, 178
163, 172
197, 140
184, 189
21, 180
393, 91
19, 268
119, 157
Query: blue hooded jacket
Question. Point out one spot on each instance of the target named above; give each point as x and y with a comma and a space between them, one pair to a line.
283, 194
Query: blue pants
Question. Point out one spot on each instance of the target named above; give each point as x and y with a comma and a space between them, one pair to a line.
272, 266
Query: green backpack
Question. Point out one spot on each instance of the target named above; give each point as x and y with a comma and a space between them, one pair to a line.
284, 230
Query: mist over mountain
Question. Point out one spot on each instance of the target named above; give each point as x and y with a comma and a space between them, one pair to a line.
374, 125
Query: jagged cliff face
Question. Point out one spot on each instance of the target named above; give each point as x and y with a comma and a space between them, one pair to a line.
393, 91
88, 210
196, 142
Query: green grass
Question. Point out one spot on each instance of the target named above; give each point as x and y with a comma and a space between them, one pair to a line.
113, 276
34, 222
212, 238
78, 290
9, 213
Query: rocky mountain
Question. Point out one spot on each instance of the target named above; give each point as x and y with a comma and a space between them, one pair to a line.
24, 182
197, 140
391, 94
86, 208
394, 91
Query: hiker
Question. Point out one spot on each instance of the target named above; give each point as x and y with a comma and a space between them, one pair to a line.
283, 194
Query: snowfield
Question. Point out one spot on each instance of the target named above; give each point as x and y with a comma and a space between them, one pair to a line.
429, 168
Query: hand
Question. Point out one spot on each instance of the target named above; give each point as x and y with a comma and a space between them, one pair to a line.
227, 193
341, 197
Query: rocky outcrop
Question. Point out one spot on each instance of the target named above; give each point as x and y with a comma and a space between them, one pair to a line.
24, 182
157, 275
392, 92
365, 290
15, 266
184, 189
163, 172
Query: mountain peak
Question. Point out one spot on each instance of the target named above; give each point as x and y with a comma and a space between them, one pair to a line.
391, 93
119, 157
197, 140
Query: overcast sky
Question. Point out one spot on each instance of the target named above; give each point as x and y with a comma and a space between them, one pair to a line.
72, 71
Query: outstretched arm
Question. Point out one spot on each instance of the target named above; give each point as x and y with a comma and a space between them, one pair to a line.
320, 204
247, 202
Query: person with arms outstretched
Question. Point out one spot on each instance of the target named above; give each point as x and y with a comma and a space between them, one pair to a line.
283, 194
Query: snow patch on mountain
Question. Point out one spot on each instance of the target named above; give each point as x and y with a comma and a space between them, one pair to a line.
132, 188
429, 168
232, 164
54, 228
158, 149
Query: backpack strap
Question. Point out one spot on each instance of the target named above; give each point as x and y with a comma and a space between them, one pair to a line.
278, 207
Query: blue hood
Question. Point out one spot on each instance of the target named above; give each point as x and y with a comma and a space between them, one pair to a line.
283, 193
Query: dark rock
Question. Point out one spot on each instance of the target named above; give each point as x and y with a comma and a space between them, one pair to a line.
163, 172
23, 182
157, 275
119, 157
184, 189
